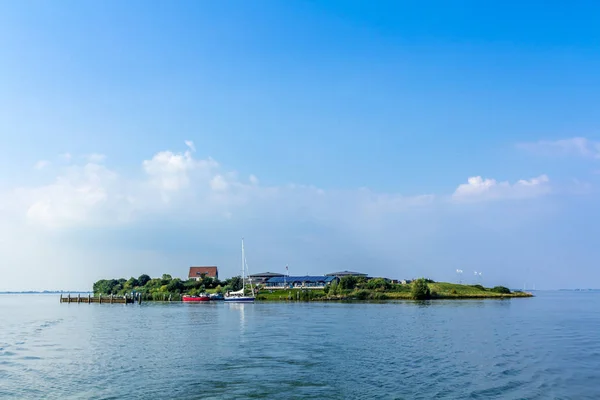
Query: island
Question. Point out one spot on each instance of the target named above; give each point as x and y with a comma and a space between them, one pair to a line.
167, 288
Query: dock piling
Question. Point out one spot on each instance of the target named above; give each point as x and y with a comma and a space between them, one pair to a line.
112, 299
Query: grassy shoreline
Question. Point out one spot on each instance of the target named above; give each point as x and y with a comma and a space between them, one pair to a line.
439, 291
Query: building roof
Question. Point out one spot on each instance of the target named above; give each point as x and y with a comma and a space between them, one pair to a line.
346, 273
296, 279
196, 272
265, 275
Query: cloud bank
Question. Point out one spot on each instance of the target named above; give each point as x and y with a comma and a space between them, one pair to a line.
91, 221
92, 194
479, 189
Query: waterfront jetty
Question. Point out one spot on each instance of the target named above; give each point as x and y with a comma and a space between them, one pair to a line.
111, 299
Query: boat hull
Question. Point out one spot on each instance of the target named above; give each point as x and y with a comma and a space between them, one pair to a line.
239, 299
195, 299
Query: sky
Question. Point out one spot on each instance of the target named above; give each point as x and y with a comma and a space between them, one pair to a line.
398, 139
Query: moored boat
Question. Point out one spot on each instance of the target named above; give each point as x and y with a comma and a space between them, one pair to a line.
216, 296
239, 296
202, 297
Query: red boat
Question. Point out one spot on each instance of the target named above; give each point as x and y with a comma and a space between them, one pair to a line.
202, 297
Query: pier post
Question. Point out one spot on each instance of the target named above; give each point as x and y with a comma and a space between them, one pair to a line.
111, 298
89, 298
139, 298
78, 298
69, 298
169, 297
61, 297
100, 298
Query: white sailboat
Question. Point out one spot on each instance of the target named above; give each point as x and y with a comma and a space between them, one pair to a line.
239, 296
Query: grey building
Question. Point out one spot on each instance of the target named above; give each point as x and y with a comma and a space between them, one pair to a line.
263, 277
341, 274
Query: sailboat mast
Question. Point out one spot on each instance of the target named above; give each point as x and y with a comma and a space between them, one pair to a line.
243, 271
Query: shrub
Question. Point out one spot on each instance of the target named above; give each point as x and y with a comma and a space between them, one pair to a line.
175, 286
369, 295
379, 296
501, 289
478, 287
348, 282
420, 290
378, 284
333, 288
453, 291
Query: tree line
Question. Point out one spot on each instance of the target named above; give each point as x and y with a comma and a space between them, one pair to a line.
165, 285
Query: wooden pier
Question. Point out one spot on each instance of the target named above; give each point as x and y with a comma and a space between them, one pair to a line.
101, 299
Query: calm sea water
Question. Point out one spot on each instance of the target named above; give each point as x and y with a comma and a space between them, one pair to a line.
541, 348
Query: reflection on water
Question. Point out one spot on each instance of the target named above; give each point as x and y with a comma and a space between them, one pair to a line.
545, 347
240, 308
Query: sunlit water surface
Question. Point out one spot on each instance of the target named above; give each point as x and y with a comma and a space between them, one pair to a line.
541, 348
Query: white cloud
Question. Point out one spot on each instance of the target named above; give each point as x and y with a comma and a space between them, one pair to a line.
66, 156
41, 164
95, 158
218, 183
84, 195
479, 189
171, 171
190, 144
577, 146
177, 183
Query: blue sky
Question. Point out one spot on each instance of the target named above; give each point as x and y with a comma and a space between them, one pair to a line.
332, 135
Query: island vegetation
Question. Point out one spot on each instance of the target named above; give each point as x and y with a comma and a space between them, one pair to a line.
165, 287
357, 288
348, 288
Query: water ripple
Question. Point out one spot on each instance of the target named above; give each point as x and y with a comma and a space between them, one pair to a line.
546, 347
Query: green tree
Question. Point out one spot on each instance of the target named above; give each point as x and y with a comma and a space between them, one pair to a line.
192, 284
175, 286
235, 282
348, 282
130, 284
107, 286
143, 279
334, 288
378, 284
501, 289
219, 289
208, 282
361, 281
420, 289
